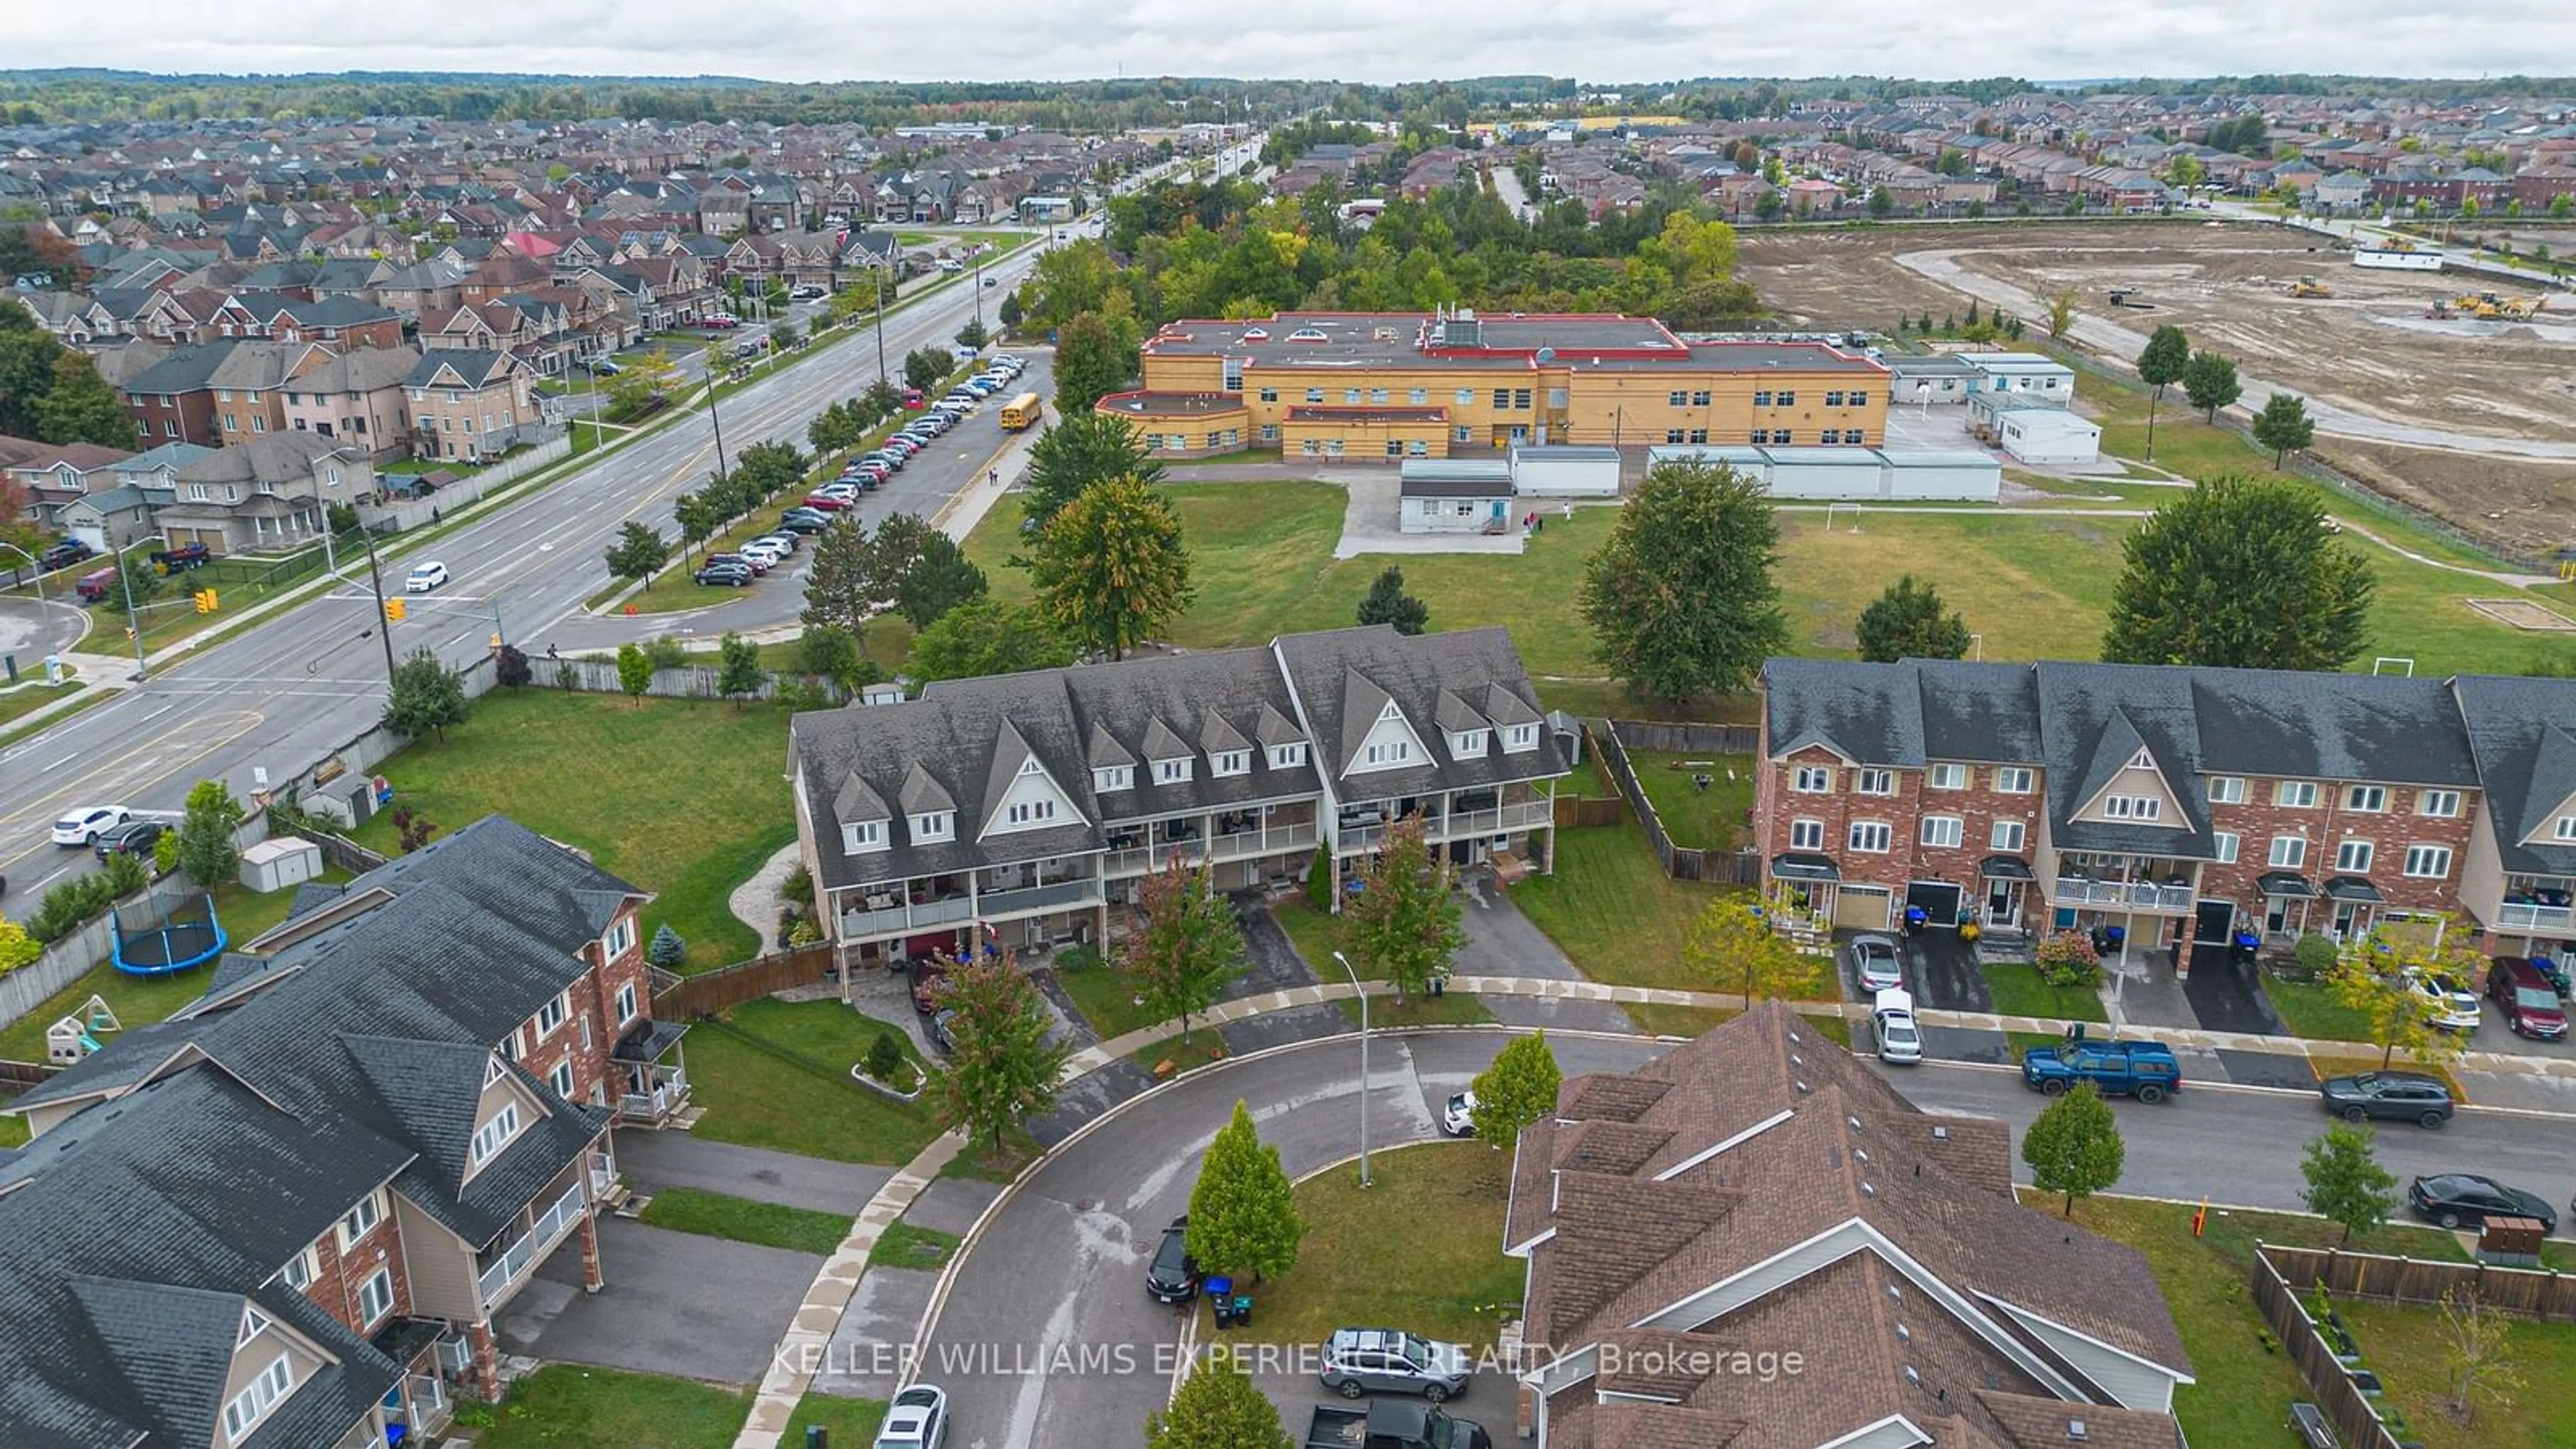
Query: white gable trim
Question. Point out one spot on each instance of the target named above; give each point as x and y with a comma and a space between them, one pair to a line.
1893, 1432
1705, 1153
2046, 1328
1391, 727
2545, 830
1033, 785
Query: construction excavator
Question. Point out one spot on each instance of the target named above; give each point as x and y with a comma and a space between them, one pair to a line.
2489, 307
2310, 287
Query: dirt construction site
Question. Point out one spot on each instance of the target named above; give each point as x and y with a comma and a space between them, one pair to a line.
2474, 419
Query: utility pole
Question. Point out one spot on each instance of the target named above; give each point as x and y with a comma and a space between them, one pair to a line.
711, 408
979, 291
133, 621
878, 274
384, 621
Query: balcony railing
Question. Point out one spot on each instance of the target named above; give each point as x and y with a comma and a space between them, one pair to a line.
516, 1259
2133, 895
1520, 815
2526, 916
1142, 858
1262, 842
905, 917
670, 1091
1019, 901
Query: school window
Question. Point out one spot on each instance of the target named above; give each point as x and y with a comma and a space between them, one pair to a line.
2428, 862
1699, 436
1781, 437
375, 1297
1830, 436
1874, 782
1416, 448
1833, 399
2295, 794
2368, 799
2353, 856
1332, 447
2007, 835
1699, 399
1858, 399
1462, 433
494, 1135
1270, 432
1377, 397
1351, 396
1806, 835
1309, 447
2223, 846
561, 1079
626, 1003
1872, 837
1174, 442
1520, 399
1788, 399
2226, 789
1678, 399
1419, 397
1762, 399
1394, 448
2132, 807
1813, 780
1270, 394
1502, 398
1947, 777
1942, 832
2289, 852
1760, 436
2441, 804
1314, 394
1233, 375
1466, 397
1672, 435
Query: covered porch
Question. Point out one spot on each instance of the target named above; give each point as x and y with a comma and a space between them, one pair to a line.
2542, 905
418, 1403
654, 1070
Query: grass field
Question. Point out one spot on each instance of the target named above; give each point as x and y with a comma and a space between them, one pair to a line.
904, 1245
2405, 1347
719, 1215
26, 699
1421, 1248
1107, 1000
683, 798
565, 1406
1613, 911
760, 1100
2311, 1010
1711, 819
2018, 991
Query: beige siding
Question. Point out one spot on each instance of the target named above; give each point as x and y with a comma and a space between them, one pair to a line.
2143, 783
440, 1267
2481, 868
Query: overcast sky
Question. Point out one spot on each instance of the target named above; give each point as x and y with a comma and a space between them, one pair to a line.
1599, 41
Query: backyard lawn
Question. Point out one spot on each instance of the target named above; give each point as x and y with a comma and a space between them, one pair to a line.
760, 1099
1710, 819
692, 802
1422, 1247
1612, 910
2405, 1347
2018, 991
567, 1406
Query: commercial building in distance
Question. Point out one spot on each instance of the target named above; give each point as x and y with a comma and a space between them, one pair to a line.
1386, 386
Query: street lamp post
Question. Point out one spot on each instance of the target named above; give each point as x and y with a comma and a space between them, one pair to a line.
384, 620
877, 275
34, 563
133, 621
1364, 1063
711, 408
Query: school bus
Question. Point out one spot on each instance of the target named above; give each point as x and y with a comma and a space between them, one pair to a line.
1022, 412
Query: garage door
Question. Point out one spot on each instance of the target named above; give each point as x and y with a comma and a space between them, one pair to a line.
1937, 899
2213, 923
1861, 908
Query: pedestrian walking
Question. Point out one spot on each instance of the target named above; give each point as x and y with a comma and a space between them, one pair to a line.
1569, 512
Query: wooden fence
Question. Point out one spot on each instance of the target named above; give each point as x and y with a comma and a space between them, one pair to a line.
1583, 811
1717, 867
2356, 1422
599, 676
713, 991
1691, 739
2531, 1292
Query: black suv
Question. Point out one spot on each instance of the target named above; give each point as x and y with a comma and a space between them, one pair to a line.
66, 553
725, 575
135, 838
1174, 1275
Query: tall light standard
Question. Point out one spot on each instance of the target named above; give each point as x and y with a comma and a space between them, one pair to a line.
711, 406
1364, 1070
876, 273
35, 563
133, 621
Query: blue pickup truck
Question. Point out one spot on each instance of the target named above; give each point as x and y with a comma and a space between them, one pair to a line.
2145, 1070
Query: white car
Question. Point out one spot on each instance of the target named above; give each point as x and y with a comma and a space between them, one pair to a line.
84, 825
1458, 1118
763, 553
1900, 1039
1876, 962
2447, 1004
425, 577
917, 1419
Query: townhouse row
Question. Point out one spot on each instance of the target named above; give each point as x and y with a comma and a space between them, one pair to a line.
2185, 805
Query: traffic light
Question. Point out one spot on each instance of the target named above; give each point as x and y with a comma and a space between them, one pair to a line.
206, 601
394, 609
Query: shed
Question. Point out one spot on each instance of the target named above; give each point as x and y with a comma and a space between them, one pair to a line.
1565, 471
280, 861
1939, 378
1753, 462
1454, 495
2049, 435
1824, 472
2028, 373
1955, 474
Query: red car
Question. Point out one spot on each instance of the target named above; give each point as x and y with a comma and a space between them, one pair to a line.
828, 502
720, 322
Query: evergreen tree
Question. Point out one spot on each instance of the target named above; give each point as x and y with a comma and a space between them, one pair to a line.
1907, 622
667, 949
1243, 1214
1076, 451
1388, 603
2074, 1148
841, 581
1681, 599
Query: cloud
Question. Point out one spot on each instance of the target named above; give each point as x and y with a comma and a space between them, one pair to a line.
1608, 41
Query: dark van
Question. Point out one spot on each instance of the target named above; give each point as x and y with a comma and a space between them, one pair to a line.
2528, 1001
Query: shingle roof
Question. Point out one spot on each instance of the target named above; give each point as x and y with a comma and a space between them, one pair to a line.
2520, 733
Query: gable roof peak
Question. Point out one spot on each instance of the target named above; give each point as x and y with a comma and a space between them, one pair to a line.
923, 794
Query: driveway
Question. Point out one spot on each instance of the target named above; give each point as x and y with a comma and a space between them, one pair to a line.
1942, 969
676, 1303
2227, 994
676, 1159
1271, 962
1501, 941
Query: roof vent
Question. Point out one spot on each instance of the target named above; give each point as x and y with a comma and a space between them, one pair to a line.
1796, 1060
2075, 1431
1795, 1039
1894, 1292
1940, 1134
1912, 1377
1904, 1334
1860, 1154
1867, 1190
1801, 1086
1854, 1122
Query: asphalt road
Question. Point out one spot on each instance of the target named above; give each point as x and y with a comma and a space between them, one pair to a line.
310, 678
1057, 1274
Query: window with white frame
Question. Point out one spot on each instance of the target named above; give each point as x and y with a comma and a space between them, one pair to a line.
2226, 789
2428, 862
1173, 771
1520, 737
1231, 762
561, 1079
2223, 846
1872, 837
1943, 832
299, 1271
626, 1003
1806, 835
863, 835
1032, 812
2368, 799
621, 937
1113, 777
2012, 780
1874, 782
2006, 835
1288, 756
1812, 780
551, 1015
938, 825
1946, 777
2132, 807
376, 1297
2289, 852
2295, 794
1390, 752
244, 1410
2353, 856
361, 1220
1466, 744
2564, 828
2439, 804
494, 1135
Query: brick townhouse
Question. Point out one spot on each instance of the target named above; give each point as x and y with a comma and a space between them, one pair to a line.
2181, 804
289, 1214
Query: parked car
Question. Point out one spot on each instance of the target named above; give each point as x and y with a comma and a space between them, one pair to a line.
2466, 1200
2145, 1070
916, 1419
425, 577
1876, 962
96, 585
807, 293
66, 553
1458, 1117
787, 542
1891, 1018
1173, 1276
1360, 1361
802, 520
85, 824
1392, 1424
601, 367
2448, 1005
720, 321
135, 837
2528, 999
724, 575
2388, 1097
943, 1033
763, 556
828, 502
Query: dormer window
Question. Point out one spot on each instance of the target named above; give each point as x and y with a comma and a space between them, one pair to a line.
1113, 777
940, 826
1390, 752
1231, 762
1288, 756
1172, 772
495, 1134
247, 1408
1520, 737
1467, 744
861, 836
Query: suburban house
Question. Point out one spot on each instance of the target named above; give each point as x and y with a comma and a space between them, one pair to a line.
1022, 808
471, 404
1756, 1240
54, 474
355, 397
267, 494
289, 1214
2182, 804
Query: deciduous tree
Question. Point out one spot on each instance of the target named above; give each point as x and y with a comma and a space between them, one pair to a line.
1388, 603
2477, 1338
1218, 1407
2061, 312
2283, 426
2346, 1184
986, 636
920, 569
2376, 980
1110, 569
1002, 1066
1243, 1214
1519, 1088
2240, 573
1188, 946
426, 697
2210, 382
1404, 925
1907, 622
81, 408
2074, 1147
637, 551
634, 672
700, 514
1091, 361
1736, 949
829, 651
2161, 365
1077, 450
206, 850
740, 675
1680, 599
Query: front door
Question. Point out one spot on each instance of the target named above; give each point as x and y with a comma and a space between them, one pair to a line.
2003, 904
2350, 919
2276, 915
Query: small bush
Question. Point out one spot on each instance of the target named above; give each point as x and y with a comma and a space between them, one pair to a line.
2067, 958
511, 669
798, 888
165, 853
125, 875
68, 905
1080, 957
804, 932
886, 1059
2315, 955
665, 652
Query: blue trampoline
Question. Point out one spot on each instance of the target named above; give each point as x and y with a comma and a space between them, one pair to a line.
172, 947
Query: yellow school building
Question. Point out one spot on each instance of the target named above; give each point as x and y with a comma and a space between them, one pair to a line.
1386, 386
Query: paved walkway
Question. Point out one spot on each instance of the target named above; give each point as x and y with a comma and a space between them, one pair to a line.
756, 902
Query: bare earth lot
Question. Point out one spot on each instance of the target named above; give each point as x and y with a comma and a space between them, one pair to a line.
2368, 350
